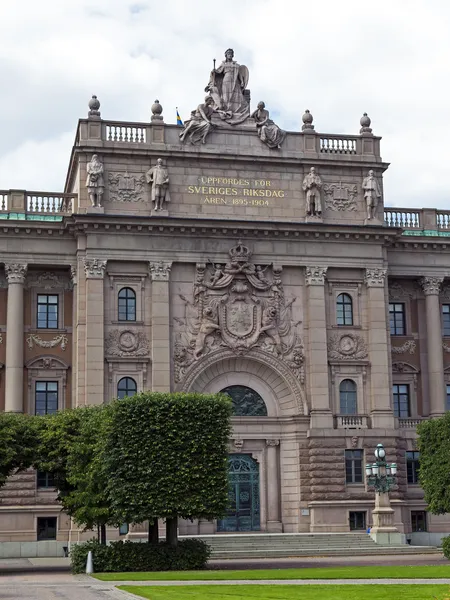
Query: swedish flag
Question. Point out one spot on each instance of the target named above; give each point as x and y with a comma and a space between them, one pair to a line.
179, 121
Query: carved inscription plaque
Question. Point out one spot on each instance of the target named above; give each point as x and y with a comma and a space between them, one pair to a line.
233, 191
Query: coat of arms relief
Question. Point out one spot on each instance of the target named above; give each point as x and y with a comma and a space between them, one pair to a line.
238, 305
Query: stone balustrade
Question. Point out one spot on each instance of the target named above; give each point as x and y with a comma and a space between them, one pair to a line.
352, 422
409, 423
17, 202
421, 221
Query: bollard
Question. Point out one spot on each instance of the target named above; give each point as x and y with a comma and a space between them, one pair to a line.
89, 563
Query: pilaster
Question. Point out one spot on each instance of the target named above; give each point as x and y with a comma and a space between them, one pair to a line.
380, 391
94, 269
74, 279
321, 415
160, 274
274, 524
436, 387
15, 274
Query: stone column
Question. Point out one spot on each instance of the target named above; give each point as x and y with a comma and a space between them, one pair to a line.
95, 354
317, 365
436, 387
379, 350
15, 274
274, 524
160, 273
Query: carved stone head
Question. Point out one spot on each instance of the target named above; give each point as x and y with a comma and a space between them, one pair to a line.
261, 105
229, 54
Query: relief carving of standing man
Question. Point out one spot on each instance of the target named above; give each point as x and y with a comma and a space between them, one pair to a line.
158, 178
372, 195
94, 180
226, 86
311, 185
268, 132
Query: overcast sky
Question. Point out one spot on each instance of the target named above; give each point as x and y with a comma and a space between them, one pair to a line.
339, 59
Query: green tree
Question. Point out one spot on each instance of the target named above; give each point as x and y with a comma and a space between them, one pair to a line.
434, 446
18, 443
71, 449
166, 457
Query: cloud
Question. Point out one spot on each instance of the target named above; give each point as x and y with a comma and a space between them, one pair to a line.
338, 60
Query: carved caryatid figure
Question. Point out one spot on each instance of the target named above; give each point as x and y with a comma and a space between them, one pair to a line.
268, 132
208, 326
94, 180
372, 194
226, 86
311, 185
158, 178
199, 125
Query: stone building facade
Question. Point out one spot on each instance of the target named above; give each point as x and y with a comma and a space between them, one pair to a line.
232, 265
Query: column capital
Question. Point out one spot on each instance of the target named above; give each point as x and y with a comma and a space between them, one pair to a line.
16, 272
272, 442
315, 275
431, 285
375, 277
160, 271
94, 268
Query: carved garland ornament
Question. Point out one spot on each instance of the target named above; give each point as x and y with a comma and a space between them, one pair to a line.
241, 306
346, 346
408, 346
59, 340
126, 343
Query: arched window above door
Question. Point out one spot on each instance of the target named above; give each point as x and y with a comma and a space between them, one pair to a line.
126, 387
246, 402
347, 397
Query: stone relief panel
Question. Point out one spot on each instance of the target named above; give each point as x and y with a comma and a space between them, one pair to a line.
409, 346
49, 280
60, 340
239, 306
346, 346
340, 197
126, 187
397, 291
126, 343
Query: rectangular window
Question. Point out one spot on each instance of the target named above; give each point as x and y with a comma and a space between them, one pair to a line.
446, 320
357, 520
412, 466
447, 387
419, 520
46, 528
46, 397
47, 311
45, 479
397, 318
402, 408
354, 466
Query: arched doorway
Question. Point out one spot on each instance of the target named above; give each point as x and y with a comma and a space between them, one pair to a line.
243, 513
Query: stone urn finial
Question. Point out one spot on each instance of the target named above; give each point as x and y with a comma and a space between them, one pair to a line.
94, 108
307, 122
365, 124
157, 111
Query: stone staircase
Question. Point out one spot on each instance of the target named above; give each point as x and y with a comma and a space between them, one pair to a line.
276, 545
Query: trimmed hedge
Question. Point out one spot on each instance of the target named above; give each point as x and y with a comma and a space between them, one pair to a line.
446, 546
125, 556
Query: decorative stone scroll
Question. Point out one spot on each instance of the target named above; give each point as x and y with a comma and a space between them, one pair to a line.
346, 346
398, 292
49, 280
60, 340
160, 271
241, 306
315, 275
16, 272
272, 443
409, 346
126, 343
431, 285
94, 268
126, 187
375, 277
340, 197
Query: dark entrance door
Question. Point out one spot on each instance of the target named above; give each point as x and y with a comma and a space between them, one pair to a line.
243, 493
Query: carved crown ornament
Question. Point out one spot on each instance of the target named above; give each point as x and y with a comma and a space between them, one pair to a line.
241, 306
94, 268
127, 343
346, 346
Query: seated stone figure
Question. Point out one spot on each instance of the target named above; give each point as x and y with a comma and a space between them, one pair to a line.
268, 132
199, 124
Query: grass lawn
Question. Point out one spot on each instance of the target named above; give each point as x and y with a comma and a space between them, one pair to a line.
398, 572
287, 592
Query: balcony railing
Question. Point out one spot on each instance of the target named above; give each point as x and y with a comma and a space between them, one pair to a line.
35, 205
418, 221
352, 422
409, 423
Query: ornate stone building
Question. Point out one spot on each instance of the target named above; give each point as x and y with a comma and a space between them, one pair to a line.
260, 262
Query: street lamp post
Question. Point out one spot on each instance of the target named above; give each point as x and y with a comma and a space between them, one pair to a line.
382, 476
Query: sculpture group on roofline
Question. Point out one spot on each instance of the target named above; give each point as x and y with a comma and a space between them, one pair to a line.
229, 98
